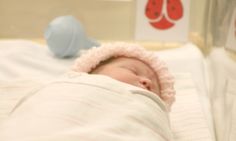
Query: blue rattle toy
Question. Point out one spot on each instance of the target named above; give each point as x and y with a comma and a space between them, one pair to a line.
65, 36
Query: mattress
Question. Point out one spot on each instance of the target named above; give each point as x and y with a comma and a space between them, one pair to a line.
25, 64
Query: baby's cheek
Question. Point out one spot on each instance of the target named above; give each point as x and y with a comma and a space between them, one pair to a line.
126, 79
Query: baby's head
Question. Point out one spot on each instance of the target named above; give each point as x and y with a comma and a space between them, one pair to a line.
130, 70
132, 64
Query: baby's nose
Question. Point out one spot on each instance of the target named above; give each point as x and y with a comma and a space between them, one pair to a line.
146, 83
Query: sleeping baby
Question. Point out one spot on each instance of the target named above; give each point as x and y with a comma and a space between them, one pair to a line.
117, 92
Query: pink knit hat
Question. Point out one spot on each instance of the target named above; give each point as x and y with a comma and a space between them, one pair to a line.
89, 60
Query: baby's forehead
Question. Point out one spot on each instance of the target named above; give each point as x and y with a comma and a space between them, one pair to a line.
132, 61
128, 61
137, 63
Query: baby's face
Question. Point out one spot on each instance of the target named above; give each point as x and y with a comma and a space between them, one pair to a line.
131, 71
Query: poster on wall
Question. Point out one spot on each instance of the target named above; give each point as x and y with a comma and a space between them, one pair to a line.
231, 39
162, 20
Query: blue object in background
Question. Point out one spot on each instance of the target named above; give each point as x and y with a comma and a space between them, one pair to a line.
65, 36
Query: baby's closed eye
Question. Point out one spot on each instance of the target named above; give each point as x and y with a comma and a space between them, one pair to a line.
131, 69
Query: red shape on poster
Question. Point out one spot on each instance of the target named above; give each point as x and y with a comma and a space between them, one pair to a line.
160, 20
162, 24
153, 9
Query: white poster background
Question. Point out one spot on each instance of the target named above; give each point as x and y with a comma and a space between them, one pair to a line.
231, 39
146, 32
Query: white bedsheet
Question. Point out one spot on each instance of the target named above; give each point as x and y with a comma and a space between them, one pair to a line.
189, 59
22, 59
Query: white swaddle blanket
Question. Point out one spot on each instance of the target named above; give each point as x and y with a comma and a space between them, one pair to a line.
89, 108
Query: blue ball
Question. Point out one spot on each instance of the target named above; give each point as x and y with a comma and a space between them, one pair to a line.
65, 36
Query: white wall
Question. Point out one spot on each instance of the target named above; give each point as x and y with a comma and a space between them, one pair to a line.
103, 19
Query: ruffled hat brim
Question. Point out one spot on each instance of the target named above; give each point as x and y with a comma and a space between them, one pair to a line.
91, 58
